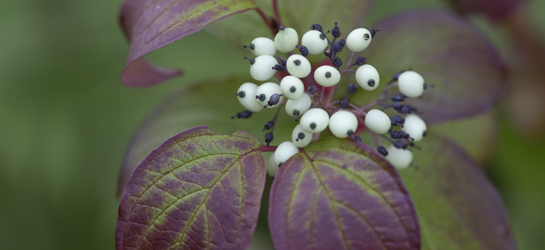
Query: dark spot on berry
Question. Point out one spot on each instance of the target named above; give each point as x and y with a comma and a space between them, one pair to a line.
293, 89
327, 74
349, 132
313, 125
297, 62
241, 94
425, 133
296, 112
282, 27
301, 135
371, 83
262, 97
366, 37
280, 164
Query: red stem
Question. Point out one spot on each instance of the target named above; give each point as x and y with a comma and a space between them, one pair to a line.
267, 148
265, 19
276, 12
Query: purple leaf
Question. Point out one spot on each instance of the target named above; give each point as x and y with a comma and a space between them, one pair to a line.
208, 102
151, 25
468, 74
494, 9
197, 190
338, 194
457, 206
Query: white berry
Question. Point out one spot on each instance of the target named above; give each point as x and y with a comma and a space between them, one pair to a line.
315, 120
343, 123
377, 121
298, 66
314, 41
298, 107
411, 84
284, 151
265, 91
300, 137
399, 158
272, 167
246, 97
263, 46
262, 67
415, 127
292, 87
285, 40
327, 76
367, 77
358, 40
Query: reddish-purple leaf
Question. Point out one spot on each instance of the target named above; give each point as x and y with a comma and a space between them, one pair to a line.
494, 9
339, 194
468, 74
457, 206
195, 191
151, 25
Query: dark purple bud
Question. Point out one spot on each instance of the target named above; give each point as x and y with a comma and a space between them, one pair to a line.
397, 120
344, 103
398, 98
391, 128
279, 67
374, 32
339, 45
316, 27
336, 32
400, 144
303, 50
269, 138
404, 135
357, 138
244, 114
382, 150
252, 61
361, 60
312, 89
397, 106
394, 135
328, 52
352, 88
268, 126
337, 62
274, 99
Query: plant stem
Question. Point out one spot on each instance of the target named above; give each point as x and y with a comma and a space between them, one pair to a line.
266, 20
276, 12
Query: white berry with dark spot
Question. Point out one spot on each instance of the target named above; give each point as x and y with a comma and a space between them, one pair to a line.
292, 87
367, 77
264, 92
343, 123
284, 151
415, 127
246, 97
315, 42
272, 167
298, 107
300, 137
262, 67
411, 84
399, 158
327, 76
377, 121
263, 46
315, 120
286, 39
298, 66
358, 40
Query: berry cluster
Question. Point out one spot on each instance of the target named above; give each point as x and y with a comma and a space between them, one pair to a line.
310, 108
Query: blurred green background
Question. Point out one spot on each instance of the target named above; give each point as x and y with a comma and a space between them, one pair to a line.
66, 120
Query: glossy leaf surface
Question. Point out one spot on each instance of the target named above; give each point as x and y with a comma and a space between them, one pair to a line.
210, 103
197, 190
338, 194
467, 72
457, 206
150, 25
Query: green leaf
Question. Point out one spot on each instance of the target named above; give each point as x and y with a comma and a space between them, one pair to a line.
210, 103
340, 194
197, 190
152, 24
450, 53
457, 206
